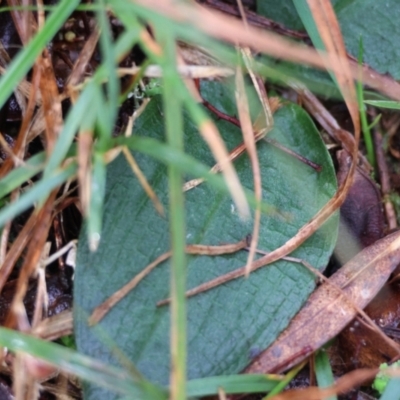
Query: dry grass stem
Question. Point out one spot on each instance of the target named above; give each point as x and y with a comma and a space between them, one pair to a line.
78, 71
197, 249
210, 134
186, 71
54, 327
249, 141
143, 181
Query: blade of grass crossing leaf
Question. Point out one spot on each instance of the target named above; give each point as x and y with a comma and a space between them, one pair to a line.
24, 60
79, 365
281, 385
95, 212
185, 163
308, 21
210, 134
37, 193
251, 383
107, 49
363, 114
323, 372
174, 132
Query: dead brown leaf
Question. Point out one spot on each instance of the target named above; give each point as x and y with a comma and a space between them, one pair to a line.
328, 310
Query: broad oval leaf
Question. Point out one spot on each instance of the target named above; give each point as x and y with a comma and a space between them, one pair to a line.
228, 324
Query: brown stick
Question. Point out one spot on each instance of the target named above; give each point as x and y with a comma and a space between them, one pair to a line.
198, 249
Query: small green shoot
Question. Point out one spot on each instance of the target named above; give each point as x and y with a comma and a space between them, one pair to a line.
323, 372
391, 105
363, 114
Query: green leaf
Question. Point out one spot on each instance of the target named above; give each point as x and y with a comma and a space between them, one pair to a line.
392, 105
228, 323
376, 24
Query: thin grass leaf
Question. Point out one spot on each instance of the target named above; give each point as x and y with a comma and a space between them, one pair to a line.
253, 383
363, 112
79, 365
217, 146
37, 193
24, 60
174, 132
95, 212
109, 112
281, 385
19, 175
186, 163
392, 105
307, 19
323, 372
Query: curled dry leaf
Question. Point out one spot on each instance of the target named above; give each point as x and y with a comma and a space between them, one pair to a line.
328, 310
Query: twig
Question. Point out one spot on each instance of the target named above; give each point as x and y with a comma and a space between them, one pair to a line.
101, 310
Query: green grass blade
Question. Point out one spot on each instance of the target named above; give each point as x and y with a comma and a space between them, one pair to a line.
109, 109
24, 60
37, 193
95, 216
392, 105
185, 163
252, 383
21, 174
79, 365
363, 112
323, 372
306, 17
281, 385
174, 133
